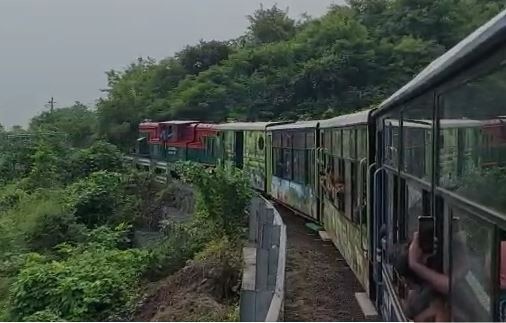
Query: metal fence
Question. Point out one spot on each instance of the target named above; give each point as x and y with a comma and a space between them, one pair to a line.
263, 283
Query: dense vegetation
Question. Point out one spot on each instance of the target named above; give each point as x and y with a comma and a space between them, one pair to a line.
69, 218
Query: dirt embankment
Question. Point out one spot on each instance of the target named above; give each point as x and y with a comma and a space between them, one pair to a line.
205, 290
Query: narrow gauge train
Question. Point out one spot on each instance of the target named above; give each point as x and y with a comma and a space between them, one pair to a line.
430, 159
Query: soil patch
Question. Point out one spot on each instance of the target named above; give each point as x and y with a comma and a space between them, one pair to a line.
201, 291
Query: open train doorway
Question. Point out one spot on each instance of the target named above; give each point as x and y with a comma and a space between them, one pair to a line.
239, 149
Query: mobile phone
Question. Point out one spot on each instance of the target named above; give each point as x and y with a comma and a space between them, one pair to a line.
426, 233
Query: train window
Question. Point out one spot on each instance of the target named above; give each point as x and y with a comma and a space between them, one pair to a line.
416, 204
391, 140
501, 283
348, 137
353, 143
471, 271
261, 143
277, 162
328, 141
299, 166
337, 147
276, 139
310, 140
299, 140
362, 148
472, 157
417, 137
287, 163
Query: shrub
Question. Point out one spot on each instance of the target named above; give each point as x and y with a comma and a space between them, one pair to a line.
222, 196
93, 283
101, 156
43, 316
179, 245
10, 196
95, 198
40, 221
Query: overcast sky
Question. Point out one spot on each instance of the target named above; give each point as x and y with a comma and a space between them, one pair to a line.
62, 48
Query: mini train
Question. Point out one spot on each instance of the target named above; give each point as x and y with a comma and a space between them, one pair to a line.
429, 160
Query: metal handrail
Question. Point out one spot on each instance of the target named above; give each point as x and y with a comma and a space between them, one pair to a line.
360, 206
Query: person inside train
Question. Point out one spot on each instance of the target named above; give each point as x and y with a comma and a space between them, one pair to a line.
427, 303
417, 262
466, 300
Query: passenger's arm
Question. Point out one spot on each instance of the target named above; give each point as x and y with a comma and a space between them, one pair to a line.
438, 281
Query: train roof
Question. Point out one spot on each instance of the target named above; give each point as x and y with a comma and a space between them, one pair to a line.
296, 125
206, 126
360, 117
245, 125
148, 124
178, 122
480, 42
444, 123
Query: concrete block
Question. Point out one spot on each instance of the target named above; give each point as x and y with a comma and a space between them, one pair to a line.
366, 305
262, 269
272, 267
247, 306
269, 216
249, 268
262, 304
253, 227
266, 237
275, 235
324, 235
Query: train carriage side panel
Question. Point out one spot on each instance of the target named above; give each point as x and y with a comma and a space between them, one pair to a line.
244, 146
254, 157
148, 135
343, 180
175, 135
293, 166
203, 148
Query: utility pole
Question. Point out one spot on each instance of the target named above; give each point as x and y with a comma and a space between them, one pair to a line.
51, 104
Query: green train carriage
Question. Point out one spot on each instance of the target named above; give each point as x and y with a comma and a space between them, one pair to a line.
243, 145
292, 177
345, 158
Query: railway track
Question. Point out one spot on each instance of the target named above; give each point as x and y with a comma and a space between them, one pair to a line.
319, 284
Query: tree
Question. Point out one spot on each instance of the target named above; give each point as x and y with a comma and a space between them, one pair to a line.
77, 121
17, 129
95, 198
198, 58
271, 25
353, 57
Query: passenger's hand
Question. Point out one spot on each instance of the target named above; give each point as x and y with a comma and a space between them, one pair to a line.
415, 253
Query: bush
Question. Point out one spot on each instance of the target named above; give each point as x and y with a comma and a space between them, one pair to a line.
222, 196
95, 198
180, 244
10, 196
101, 156
93, 283
43, 316
39, 221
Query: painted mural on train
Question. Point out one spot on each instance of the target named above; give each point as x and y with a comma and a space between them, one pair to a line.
347, 238
300, 197
254, 157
